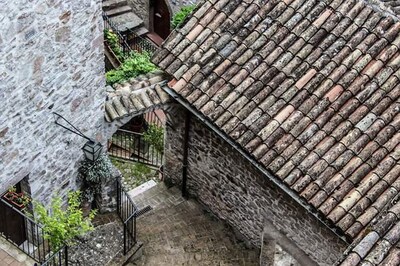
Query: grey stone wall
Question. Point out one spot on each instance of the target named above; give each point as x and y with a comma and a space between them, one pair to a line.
236, 192
141, 9
52, 60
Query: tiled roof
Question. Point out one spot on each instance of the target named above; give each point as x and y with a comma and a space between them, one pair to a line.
390, 6
309, 88
136, 96
381, 244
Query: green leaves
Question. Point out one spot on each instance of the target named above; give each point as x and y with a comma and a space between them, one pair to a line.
181, 15
62, 226
136, 64
154, 135
113, 41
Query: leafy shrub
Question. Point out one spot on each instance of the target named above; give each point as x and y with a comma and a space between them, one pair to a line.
181, 15
94, 174
62, 226
136, 64
154, 135
113, 41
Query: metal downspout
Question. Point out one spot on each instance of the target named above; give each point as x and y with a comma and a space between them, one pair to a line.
185, 154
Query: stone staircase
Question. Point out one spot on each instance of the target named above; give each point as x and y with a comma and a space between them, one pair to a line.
123, 17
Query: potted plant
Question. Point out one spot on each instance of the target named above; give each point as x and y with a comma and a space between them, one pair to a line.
87, 200
21, 200
10, 194
93, 175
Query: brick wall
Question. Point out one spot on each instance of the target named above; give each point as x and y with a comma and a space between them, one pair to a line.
235, 191
52, 60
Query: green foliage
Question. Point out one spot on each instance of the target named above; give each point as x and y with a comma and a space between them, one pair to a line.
181, 15
136, 64
113, 41
134, 174
94, 174
62, 226
154, 135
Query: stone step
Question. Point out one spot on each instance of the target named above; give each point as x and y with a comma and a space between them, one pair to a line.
111, 4
127, 21
141, 31
118, 11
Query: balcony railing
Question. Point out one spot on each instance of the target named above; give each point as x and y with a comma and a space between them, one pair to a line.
28, 236
130, 41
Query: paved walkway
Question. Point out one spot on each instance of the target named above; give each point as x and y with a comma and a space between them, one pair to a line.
179, 232
11, 256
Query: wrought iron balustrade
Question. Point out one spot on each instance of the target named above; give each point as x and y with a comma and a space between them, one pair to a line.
129, 41
28, 236
128, 143
127, 211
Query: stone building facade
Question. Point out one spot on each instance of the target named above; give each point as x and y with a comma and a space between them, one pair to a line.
52, 61
234, 190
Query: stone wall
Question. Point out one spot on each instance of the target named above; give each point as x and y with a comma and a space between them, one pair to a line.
236, 192
52, 60
141, 9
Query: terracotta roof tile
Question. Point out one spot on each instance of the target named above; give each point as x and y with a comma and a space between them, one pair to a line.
311, 89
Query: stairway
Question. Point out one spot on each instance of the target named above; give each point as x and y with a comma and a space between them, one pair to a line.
123, 17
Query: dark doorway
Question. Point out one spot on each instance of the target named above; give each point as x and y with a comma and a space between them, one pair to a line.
161, 18
12, 223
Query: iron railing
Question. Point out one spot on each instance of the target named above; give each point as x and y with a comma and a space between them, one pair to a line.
130, 41
128, 144
127, 211
58, 258
34, 243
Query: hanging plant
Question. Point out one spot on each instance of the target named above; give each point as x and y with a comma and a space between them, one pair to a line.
93, 175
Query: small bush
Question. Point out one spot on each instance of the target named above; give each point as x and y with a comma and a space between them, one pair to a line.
62, 226
136, 64
181, 15
113, 41
154, 135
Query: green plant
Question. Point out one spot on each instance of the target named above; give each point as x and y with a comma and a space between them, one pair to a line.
154, 135
94, 174
181, 15
12, 189
62, 226
113, 41
134, 174
22, 199
136, 64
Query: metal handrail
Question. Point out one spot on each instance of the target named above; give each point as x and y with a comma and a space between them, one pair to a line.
43, 249
140, 45
54, 256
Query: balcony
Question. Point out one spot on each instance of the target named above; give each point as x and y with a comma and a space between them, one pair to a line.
18, 230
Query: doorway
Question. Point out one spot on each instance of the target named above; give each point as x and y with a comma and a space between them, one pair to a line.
161, 18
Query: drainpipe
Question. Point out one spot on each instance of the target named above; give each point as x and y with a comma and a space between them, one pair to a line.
185, 154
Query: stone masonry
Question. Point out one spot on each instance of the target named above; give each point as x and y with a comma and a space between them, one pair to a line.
52, 60
220, 178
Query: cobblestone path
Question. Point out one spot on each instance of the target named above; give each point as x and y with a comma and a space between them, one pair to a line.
179, 232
